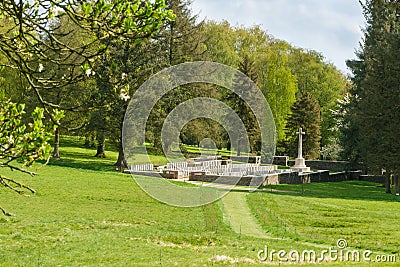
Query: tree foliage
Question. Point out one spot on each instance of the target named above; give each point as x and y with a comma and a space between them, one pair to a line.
22, 143
373, 114
56, 44
284, 73
176, 42
278, 83
242, 109
324, 82
34, 38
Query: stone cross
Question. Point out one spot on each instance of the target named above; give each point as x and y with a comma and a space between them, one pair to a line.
300, 133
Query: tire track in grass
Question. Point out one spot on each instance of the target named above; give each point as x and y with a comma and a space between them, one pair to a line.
242, 221
239, 217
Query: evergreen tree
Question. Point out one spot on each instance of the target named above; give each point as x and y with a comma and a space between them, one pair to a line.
177, 42
374, 109
242, 109
125, 67
305, 114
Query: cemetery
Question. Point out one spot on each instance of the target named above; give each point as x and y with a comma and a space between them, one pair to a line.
212, 169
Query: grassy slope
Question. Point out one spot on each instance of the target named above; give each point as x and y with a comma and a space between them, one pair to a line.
86, 214
359, 212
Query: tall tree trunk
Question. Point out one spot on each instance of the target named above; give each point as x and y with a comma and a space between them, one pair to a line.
121, 162
56, 150
397, 184
387, 183
100, 153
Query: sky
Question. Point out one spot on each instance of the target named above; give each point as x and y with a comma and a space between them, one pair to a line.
331, 27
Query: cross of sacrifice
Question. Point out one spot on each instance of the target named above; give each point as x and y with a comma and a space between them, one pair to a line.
300, 133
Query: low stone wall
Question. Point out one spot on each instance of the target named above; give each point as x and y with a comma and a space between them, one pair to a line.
354, 175
289, 178
282, 178
373, 178
244, 181
204, 178
319, 177
246, 159
335, 166
274, 179
338, 177
144, 173
281, 160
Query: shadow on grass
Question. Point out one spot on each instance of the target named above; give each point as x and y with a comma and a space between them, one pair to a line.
79, 142
93, 164
352, 190
75, 155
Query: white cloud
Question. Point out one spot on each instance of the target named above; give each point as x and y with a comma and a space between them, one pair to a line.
328, 26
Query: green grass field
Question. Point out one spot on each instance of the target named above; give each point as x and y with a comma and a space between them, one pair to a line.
86, 214
359, 212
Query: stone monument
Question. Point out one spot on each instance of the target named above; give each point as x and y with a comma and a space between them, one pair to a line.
300, 163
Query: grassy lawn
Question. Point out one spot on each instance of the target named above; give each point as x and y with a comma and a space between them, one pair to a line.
86, 214
359, 212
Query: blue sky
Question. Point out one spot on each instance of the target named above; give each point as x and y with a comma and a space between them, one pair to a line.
332, 27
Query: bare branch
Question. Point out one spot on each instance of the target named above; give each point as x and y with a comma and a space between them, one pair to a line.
14, 185
6, 213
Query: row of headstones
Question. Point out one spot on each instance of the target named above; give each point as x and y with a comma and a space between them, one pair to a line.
142, 167
198, 165
242, 169
212, 167
176, 166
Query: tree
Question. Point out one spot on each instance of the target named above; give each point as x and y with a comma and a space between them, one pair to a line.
181, 38
374, 97
56, 44
278, 83
220, 39
116, 74
242, 109
177, 42
324, 82
284, 73
33, 44
19, 142
305, 114
71, 95
248, 50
